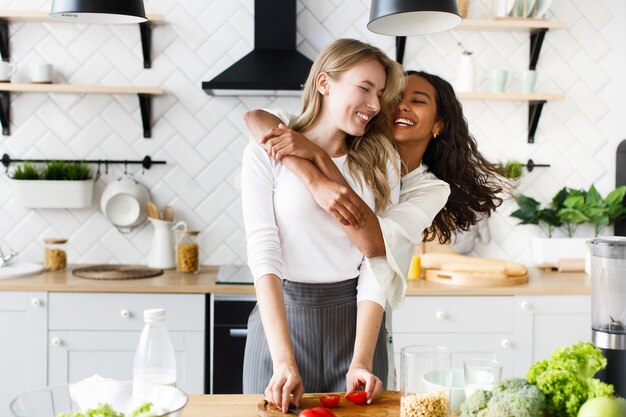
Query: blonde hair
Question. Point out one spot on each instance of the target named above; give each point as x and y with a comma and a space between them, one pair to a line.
367, 155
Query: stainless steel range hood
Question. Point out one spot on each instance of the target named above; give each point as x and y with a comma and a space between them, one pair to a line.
274, 67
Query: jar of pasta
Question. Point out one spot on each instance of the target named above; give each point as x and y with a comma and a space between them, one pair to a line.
55, 255
187, 251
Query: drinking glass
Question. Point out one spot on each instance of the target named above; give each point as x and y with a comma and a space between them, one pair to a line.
425, 378
481, 374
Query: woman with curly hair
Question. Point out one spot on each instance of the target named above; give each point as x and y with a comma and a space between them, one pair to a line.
439, 156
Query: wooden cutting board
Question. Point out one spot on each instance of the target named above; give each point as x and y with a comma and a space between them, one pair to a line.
474, 279
387, 405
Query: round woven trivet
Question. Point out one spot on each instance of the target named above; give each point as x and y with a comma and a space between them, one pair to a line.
116, 272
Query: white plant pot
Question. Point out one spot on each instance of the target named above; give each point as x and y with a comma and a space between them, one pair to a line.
54, 194
551, 250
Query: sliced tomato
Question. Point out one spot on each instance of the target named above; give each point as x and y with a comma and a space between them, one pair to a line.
323, 412
358, 398
330, 400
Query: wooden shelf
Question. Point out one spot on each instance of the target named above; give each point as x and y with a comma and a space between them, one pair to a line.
41, 16
7, 16
86, 89
508, 96
510, 24
143, 93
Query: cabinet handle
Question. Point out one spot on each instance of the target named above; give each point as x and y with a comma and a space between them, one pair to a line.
238, 332
440, 315
525, 305
506, 343
125, 313
35, 301
55, 341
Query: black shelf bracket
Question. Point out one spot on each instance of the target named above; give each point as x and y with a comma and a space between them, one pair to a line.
145, 30
5, 112
536, 41
4, 40
534, 113
530, 165
400, 46
145, 105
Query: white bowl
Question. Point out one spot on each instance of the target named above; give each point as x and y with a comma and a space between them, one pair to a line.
437, 381
124, 202
52, 401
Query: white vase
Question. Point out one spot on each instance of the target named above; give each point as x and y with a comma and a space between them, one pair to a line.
466, 74
54, 194
551, 250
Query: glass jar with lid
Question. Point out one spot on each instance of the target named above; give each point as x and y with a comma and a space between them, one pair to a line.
55, 255
187, 251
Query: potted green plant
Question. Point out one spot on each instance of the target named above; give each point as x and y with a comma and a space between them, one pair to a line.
58, 184
569, 209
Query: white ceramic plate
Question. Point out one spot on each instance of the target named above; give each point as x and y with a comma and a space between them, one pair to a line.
20, 270
504, 7
542, 7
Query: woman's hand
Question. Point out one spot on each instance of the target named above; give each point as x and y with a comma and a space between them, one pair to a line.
358, 376
340, 202
285, 381
282, 141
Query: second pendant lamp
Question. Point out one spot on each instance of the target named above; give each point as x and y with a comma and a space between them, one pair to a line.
98, 11
413, 17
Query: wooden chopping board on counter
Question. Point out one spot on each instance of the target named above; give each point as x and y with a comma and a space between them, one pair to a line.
461, 270
387, 405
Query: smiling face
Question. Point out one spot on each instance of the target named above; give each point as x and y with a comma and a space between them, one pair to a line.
352, 99
414, 121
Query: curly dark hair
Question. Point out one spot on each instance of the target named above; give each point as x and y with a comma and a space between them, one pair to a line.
453, 157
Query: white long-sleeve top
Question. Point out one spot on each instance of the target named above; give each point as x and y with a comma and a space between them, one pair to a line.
422, 196
290, 236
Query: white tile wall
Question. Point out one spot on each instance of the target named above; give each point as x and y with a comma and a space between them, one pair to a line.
202, 137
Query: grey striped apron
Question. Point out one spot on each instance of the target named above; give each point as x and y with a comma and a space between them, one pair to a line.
322, 327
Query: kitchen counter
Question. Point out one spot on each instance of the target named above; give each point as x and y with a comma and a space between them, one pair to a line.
540, 283
231, 405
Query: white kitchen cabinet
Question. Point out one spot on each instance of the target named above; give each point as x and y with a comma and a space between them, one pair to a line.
91, 333
515, 330
544, 323
23, 321
471, 327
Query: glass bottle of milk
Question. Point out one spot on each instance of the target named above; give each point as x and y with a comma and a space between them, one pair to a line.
154, 362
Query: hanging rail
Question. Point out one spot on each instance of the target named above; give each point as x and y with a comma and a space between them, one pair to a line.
530, 165
146, 162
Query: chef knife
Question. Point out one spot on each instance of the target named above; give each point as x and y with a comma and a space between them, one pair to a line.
292, 408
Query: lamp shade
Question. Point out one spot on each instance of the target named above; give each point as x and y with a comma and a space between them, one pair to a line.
413, 17
99, 11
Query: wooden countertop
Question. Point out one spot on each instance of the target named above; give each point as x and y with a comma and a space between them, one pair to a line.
223, 405
540, 283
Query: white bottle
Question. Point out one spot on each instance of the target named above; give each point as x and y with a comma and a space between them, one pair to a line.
155, 362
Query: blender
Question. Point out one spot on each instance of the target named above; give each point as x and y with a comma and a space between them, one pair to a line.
608, 307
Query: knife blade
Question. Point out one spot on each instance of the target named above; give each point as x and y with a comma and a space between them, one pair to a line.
293, 409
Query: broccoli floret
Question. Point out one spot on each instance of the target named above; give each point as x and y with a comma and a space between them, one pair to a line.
515, 397
475, 404
566, 378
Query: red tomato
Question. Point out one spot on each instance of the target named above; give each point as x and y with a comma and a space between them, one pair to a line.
358, 398
316, 412
323, 412
330, 400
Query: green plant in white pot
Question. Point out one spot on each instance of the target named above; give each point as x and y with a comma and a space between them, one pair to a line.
58, 184
569, 209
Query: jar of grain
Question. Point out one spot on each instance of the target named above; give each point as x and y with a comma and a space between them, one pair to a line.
187, 252
55, 255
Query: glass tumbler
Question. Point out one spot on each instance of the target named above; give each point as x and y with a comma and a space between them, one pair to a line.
481, 374
425, 377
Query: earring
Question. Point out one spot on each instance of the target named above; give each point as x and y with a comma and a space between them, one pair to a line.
435, 135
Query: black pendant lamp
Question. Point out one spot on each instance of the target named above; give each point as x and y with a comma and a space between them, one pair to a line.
413, 17
98, 11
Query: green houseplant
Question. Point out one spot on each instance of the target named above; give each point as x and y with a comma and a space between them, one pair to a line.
56, 184
569, 209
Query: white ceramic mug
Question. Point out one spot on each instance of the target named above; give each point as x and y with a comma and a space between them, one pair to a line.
6, 70
41, 73
497, 80
528, 79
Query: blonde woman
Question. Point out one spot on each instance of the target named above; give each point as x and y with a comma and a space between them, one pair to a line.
318, 321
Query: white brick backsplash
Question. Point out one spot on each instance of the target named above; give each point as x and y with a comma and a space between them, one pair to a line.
202, 137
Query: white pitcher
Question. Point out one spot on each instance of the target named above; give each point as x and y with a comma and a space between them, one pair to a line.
162, 252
